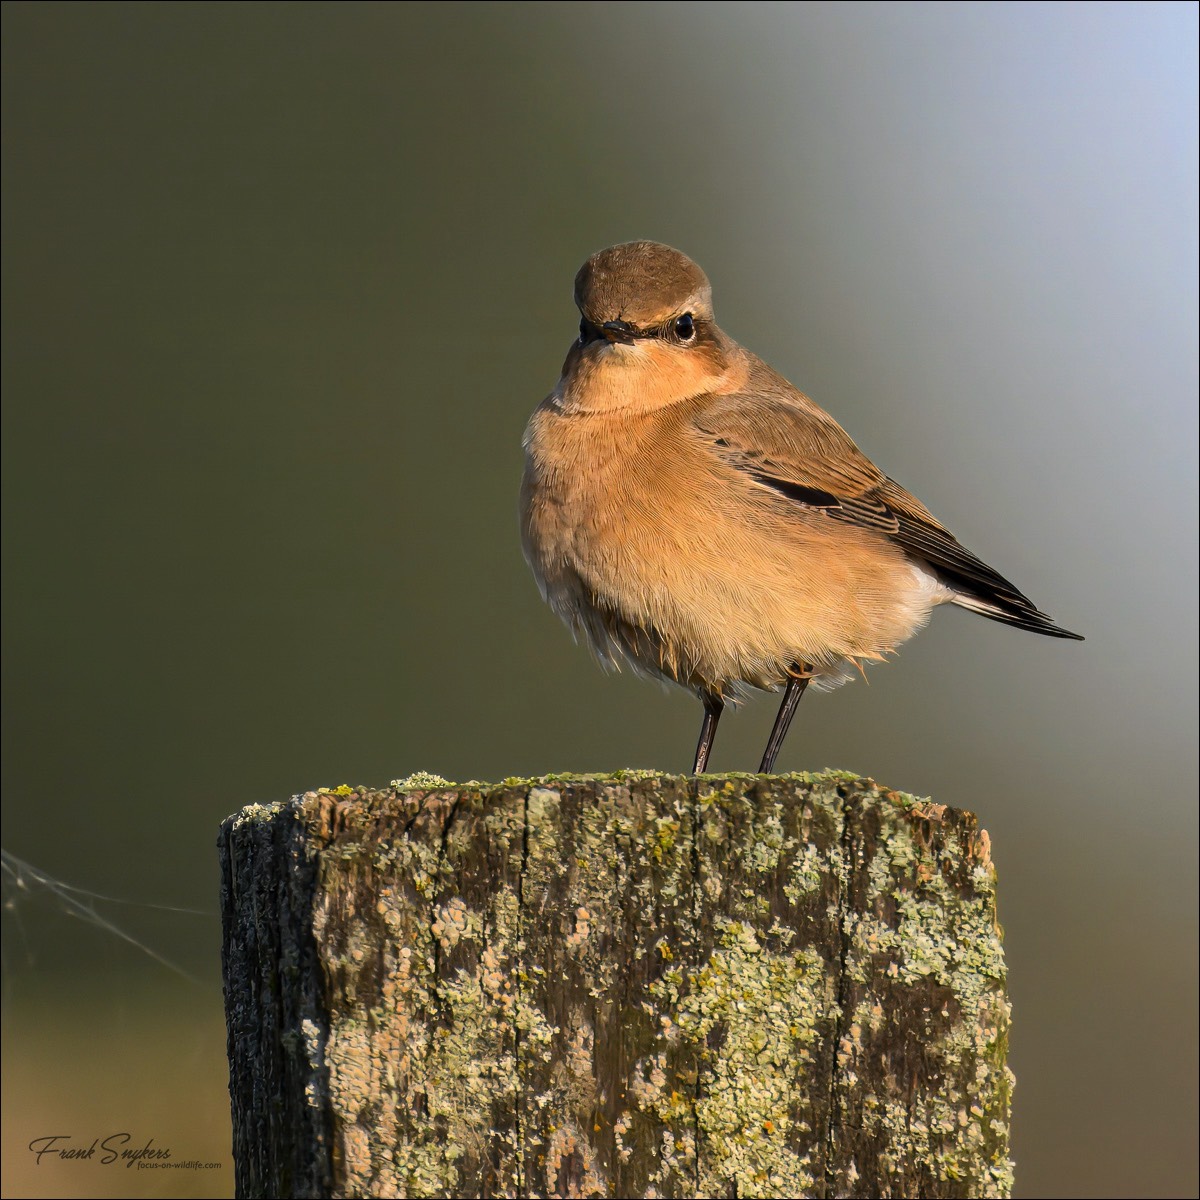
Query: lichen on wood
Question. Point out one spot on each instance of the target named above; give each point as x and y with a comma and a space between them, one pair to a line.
630, 985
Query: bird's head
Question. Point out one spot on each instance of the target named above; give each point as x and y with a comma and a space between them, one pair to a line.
646, 332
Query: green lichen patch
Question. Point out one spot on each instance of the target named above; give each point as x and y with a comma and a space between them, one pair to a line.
921, 1049
419, 779
418, 940
606, 890
754, 1016
253, 816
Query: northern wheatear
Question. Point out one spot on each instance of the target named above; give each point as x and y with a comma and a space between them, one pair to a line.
687, 510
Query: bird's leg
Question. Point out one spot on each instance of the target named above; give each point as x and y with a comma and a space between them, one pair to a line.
798, 679
713, 706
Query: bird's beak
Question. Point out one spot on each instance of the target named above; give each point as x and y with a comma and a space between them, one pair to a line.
617, 331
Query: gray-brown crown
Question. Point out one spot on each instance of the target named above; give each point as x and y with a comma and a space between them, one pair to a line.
643, 283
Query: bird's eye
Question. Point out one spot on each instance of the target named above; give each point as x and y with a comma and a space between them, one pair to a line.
685, 327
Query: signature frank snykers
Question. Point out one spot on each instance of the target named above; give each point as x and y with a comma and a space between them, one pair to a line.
115, 1148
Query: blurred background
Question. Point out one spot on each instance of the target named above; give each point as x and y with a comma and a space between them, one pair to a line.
282, 284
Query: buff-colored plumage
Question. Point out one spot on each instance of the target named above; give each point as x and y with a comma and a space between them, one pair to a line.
687, 510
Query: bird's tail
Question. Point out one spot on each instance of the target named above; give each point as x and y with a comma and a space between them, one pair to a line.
1012, 612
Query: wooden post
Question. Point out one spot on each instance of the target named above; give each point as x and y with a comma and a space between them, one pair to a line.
629, 985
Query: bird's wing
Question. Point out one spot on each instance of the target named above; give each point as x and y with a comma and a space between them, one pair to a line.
782, 440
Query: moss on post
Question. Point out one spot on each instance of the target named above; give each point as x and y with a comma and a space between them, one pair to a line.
629, 985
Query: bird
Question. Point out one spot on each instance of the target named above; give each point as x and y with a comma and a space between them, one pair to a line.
689, 512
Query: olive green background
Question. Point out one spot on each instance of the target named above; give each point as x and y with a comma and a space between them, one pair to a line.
282, 283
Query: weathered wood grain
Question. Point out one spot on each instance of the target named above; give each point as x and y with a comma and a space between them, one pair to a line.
631, 985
